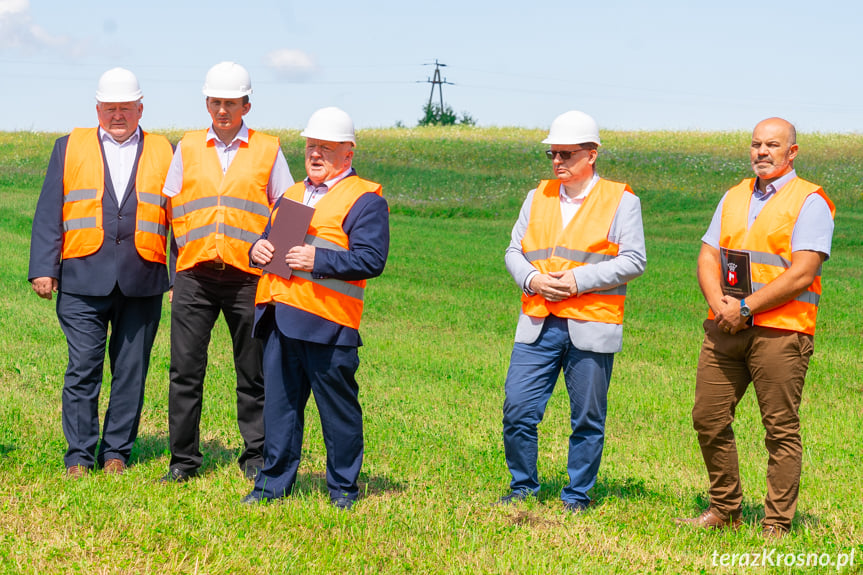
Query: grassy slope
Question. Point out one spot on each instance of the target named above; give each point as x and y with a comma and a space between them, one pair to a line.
438, 332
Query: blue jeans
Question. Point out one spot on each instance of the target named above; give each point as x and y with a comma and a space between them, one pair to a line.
533, 371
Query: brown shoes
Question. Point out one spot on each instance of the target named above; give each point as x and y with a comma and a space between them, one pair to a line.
114, 467
773, 532
709, 520
111, 467
76, 471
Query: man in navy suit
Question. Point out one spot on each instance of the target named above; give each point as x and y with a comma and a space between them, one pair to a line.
309, 322
99, 241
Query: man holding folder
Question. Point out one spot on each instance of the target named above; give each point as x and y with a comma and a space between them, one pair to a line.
309, 320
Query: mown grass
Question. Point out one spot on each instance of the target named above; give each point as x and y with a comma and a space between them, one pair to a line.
438, 332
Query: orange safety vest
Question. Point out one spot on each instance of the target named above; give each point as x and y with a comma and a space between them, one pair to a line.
84, 185
339, 301
550, 248
768, 243
219, 216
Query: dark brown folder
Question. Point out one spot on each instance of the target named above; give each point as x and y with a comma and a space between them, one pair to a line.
288, 230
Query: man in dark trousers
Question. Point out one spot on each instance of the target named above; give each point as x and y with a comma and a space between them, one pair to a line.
222, 184
309, 322
99, 241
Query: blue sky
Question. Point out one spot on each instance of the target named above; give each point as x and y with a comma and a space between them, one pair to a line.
676, 65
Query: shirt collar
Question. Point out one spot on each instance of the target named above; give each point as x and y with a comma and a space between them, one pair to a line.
774, 186
330, 183
242, 135
107, 137
580, 197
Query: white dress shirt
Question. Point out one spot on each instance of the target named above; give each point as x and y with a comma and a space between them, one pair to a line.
280, 175
120, 158
569, 206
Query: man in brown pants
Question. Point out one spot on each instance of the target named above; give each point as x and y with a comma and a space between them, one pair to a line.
759, 270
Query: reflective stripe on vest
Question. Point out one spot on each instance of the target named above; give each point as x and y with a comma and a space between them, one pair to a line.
567, 254
768, 243
218, 216
767, 259
84, 184
551, 248
339, 301
218, 228
79, 224
151, 215
158, 201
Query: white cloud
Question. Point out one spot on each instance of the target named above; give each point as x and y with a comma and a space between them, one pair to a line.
13, 6
290, 64
18, 31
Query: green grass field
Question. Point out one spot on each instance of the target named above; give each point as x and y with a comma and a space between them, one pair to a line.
438, 331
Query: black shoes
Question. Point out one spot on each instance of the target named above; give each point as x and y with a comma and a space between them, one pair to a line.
177, 475
573, 507
254, 497
342, 503
514, 497
251, 471
521, 495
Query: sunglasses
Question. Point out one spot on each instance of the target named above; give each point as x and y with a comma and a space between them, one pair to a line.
564, 155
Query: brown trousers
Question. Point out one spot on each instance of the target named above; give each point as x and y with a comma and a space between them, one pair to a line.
775, 362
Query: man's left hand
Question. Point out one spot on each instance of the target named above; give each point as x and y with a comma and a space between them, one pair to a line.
568, 278
728, 316
301, 258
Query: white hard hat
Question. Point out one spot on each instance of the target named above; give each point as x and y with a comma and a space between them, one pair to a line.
573, 127
118, 85
331, 125
227, 80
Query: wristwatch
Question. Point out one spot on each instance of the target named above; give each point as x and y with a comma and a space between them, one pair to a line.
744, 309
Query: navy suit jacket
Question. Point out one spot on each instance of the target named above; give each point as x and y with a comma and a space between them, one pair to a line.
368, 231
117, 263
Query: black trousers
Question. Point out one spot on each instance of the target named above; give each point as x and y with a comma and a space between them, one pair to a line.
200, 294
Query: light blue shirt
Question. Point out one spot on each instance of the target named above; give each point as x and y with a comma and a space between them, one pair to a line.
813, 230
627, 231
313, 194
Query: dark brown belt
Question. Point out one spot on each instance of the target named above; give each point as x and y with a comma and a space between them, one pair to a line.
213, 265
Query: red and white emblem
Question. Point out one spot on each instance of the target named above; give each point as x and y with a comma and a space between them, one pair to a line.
732, 274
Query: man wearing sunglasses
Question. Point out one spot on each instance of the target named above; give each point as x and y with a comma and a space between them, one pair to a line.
577, 242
